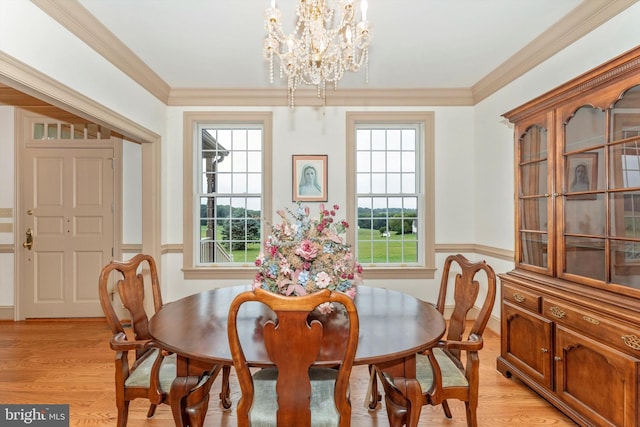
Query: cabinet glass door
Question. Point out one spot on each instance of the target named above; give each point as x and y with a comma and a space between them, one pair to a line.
584, 197
601, 194
624, 194
533, 198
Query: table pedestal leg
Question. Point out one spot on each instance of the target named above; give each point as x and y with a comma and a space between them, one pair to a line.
414, 395
189, 406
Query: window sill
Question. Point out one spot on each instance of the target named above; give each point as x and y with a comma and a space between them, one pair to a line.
380, 272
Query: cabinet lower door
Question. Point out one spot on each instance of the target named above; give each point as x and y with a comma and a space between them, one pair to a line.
526, 343
596, 380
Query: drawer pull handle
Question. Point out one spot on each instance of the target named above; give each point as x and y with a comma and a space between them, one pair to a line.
518, 297
591, 320
557, 358
544, 350
631, 341
556, 312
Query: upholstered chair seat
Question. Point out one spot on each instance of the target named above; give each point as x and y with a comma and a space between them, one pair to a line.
322, 406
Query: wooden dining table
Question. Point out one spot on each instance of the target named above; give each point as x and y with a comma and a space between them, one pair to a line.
394, 326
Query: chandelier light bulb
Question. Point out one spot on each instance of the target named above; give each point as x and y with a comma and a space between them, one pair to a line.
325, 43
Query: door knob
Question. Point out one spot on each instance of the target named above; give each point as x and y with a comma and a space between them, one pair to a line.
29, 243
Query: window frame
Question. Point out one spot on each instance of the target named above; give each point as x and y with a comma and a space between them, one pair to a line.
426, 163
191, 178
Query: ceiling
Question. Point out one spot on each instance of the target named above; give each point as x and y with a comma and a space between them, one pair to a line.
434, 44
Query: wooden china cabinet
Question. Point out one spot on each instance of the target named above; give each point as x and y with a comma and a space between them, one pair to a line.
571, 307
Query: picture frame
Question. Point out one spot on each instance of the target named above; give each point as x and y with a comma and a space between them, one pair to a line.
582, 175
309, 178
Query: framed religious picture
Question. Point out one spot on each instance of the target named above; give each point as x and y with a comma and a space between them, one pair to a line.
582, 175
309, 182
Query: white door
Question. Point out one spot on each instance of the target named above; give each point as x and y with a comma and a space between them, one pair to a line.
68, 220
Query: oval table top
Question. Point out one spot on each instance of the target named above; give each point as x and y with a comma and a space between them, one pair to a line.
393, 325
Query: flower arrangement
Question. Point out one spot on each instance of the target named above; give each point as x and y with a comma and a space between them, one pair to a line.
307, 254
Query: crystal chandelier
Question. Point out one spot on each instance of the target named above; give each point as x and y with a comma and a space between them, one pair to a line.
317, 51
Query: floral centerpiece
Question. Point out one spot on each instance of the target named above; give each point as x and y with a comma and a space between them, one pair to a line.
307, 254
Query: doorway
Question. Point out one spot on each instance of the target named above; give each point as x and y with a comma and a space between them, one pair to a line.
67, 207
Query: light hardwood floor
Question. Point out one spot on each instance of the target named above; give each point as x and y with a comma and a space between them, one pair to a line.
69, 362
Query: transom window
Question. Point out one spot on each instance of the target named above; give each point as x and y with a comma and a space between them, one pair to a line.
392, 155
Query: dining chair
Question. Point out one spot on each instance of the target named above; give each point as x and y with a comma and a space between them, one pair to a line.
299, 389
442, 371
150, 371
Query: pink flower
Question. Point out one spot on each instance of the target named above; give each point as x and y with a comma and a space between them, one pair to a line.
351, 292
307, 250
323, 280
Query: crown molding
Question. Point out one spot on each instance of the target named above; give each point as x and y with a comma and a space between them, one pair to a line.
583, 19
77, 19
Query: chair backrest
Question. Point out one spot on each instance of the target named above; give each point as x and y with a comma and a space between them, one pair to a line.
293, 342
130, 287
465, 295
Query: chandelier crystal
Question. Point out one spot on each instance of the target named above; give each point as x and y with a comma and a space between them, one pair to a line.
318, 51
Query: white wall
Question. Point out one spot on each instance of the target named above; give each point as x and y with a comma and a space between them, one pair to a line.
7, 197
131, 193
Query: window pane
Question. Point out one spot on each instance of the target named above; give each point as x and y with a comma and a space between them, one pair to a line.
378, 161
394, 163
393, 139
408, 161
363, 184
585, 129
534, 249
224, 183
363, 139
393, 183
378, 140
585, 257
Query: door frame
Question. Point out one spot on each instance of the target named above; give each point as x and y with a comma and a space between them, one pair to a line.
30, 81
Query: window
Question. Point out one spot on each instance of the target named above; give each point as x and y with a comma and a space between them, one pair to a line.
229, 155
391, 192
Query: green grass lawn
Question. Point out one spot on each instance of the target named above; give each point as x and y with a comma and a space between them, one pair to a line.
372, 248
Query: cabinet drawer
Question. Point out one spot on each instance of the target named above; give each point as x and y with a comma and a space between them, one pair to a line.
619, 335
521, 297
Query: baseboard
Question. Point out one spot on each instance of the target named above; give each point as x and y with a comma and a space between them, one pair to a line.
7, 313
